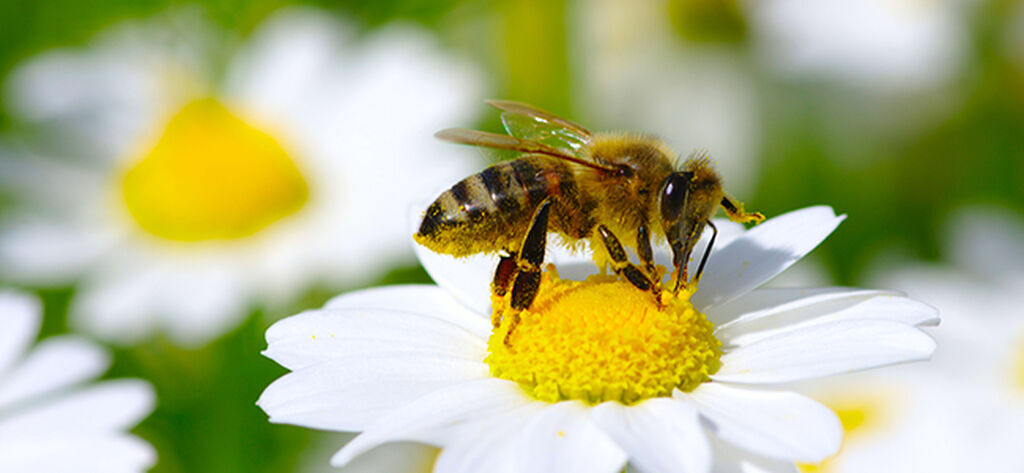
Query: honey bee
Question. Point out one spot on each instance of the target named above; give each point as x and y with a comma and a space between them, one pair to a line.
603, 188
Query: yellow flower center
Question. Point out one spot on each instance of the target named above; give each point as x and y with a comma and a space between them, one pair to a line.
602, 340
211, 176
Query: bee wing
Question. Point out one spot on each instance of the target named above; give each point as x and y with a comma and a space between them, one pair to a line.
498, 141
542, 131
526, 121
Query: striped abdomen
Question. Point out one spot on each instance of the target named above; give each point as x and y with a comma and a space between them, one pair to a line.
491, 211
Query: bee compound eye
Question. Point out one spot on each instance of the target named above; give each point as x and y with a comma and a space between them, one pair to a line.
673, 195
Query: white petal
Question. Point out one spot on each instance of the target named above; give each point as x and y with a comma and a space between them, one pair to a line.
117, 308
349, 393
562, 439
659, 434
730, 459
987, 241
777, 424
401, 457
825, 308
20, 316
56, 363
468, 278
434, 418
727, 232
321, 336
58, 452
105, 407
284, 62
419, 298
762, 252
198, 303
44, 253
484, 445
766, 301
825, 349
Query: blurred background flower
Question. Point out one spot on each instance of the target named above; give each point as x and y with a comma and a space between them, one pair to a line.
207, 194
175, 176
49, 422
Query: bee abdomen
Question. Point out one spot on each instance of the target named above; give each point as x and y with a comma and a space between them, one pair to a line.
503, 195
467, 202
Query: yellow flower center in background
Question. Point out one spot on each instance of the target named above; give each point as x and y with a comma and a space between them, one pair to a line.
603, 340
211, 176
857, 415
1019, 364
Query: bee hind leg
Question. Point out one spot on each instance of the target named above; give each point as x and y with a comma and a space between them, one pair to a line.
528, 265
620, 262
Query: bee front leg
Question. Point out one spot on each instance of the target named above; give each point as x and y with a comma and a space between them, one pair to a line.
643, 250
734, 209
620, 262
707, 252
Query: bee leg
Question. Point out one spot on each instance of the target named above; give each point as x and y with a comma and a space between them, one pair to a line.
681, 250
643, 250
503, 276
678, 260
530, 259
734, 209
707, 252
620, 262
504, 273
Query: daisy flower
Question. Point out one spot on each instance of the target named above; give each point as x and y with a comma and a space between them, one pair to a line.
184, 193
596, 374
875, 43
965, 410
49, 421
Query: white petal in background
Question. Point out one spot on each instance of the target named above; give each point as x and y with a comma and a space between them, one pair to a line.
56, 363
48, 421
20, 318
872, 43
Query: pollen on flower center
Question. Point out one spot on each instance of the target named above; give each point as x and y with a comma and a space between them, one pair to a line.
211, 176
603, 340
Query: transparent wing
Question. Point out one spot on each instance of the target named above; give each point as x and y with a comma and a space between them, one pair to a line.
541, 131
498, 141
529, 122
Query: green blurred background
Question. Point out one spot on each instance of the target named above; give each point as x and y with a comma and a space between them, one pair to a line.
898, 175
